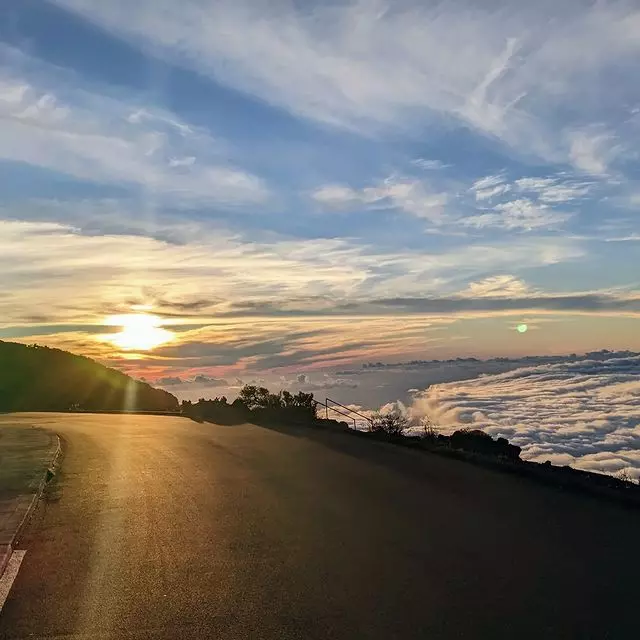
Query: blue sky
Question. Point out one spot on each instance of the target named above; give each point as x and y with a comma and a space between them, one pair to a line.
297, 185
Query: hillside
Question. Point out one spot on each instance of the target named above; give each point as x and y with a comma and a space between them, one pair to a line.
36, 378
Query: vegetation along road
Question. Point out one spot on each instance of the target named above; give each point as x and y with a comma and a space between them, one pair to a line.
160, 527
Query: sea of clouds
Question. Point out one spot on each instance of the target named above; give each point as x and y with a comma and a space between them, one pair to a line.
584, 413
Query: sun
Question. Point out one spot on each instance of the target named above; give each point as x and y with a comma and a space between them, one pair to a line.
140, 331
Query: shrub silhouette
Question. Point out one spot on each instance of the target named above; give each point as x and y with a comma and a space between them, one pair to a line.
429, 430
255, 404
392, 424
478, 441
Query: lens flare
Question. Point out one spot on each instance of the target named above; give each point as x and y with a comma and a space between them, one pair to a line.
522, 328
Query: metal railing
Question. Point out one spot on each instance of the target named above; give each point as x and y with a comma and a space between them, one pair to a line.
347, 412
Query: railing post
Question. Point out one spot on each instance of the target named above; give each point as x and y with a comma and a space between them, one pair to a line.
350, 413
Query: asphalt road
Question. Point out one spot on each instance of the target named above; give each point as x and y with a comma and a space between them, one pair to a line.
159, 527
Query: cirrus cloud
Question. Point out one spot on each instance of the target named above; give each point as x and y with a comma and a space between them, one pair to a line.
407, 194
99, 138
508, 70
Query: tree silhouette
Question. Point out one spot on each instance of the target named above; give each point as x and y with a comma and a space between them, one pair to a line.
255, 404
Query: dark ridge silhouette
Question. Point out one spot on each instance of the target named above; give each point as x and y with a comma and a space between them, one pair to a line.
36, 378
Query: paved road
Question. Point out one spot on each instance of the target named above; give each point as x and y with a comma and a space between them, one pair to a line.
163, 528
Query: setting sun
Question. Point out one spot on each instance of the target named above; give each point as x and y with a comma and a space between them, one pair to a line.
140, 331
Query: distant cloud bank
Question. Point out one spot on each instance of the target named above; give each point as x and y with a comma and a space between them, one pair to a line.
583, 413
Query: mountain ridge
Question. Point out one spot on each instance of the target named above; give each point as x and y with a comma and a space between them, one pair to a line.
40, 378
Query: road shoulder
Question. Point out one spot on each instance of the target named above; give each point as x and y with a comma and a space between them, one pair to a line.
28, 455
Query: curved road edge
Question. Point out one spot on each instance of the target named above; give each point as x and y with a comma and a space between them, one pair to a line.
10, 537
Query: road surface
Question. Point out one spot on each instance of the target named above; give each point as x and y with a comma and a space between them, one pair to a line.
159, 527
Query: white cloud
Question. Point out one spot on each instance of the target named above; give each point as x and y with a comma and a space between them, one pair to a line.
586, 413
536, 185
70, 274
525, 214
563, 193
411, 196
199, 380
490, 187
508, 70
309, 383
336, 195
554, 190
633, 237
487, 194
503, 286
430, 165
545, 190
407, 194
521, 214
182, 162
488, 182
593, 150
98, 138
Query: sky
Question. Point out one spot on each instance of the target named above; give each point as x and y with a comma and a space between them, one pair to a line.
287, 189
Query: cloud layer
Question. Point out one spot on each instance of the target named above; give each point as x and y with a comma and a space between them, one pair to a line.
585, 414
506, 69
281, 277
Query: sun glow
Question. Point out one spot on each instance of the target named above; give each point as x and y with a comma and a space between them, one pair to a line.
140, 331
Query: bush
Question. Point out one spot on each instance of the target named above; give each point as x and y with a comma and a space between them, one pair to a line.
392, 424
429, 429
478, 441
255, 404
